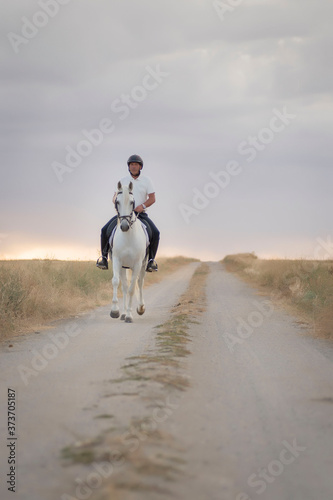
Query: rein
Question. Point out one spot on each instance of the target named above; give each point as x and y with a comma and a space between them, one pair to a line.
128, 218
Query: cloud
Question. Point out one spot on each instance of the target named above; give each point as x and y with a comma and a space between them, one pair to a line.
225, 79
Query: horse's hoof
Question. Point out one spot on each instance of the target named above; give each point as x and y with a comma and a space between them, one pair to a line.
128, 319
122, 317
114, 314
140, 310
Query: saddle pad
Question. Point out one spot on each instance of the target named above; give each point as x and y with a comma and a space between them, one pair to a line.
144, 230
146, 233
112, 237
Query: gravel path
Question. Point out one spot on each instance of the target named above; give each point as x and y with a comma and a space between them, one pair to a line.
59, 390
256, 421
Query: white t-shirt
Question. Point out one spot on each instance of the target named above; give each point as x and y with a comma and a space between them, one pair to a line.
142, 187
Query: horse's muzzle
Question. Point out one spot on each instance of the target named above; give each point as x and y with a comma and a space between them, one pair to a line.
124, 225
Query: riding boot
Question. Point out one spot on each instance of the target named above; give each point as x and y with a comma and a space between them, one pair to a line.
152, 265
102, 263
104, 245
153, 248
105, 236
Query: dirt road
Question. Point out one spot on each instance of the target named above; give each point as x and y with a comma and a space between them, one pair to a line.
255, 422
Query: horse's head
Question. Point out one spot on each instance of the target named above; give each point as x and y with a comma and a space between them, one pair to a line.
125, 205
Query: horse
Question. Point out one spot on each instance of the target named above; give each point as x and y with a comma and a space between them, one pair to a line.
129, 252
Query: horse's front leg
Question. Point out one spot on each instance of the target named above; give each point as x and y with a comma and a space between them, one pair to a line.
115, 283
124, 286
141, 308
131, 290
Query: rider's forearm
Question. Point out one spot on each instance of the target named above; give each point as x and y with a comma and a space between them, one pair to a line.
150, 200
149, 203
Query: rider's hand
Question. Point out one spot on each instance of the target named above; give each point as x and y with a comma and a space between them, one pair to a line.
139, 209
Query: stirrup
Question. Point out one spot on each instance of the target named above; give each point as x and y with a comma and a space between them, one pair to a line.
151, 266
102, 263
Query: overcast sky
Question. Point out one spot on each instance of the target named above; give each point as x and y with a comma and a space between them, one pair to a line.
229, 103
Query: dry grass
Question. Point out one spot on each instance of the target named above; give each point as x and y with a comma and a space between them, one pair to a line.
35, 292
304, 285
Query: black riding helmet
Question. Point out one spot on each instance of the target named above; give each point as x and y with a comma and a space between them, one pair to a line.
135, 159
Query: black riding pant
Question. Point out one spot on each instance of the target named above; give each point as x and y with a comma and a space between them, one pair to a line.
109, 226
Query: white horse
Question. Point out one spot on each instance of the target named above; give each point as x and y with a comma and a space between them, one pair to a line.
129, 252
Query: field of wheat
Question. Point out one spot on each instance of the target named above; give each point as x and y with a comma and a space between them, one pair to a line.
35, 292
305, 286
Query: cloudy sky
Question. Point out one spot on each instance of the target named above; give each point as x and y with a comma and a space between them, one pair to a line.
228, 102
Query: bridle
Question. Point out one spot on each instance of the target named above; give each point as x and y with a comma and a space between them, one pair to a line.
128, 218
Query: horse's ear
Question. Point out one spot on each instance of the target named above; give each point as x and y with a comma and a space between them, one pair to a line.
119, 186
130, 187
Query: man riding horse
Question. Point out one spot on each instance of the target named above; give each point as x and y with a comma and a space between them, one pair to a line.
144, 196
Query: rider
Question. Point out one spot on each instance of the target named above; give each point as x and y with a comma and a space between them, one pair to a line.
144, 196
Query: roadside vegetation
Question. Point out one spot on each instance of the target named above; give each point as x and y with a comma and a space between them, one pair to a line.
36, 292
304, 285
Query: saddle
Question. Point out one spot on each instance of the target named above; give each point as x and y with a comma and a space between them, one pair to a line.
146, 229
